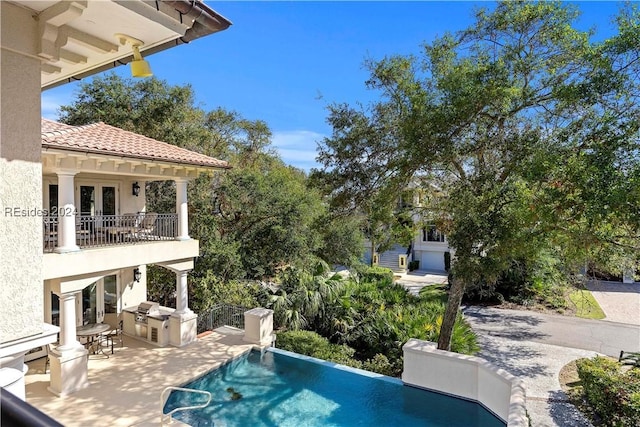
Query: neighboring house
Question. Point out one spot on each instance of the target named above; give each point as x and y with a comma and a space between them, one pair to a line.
429, 246
45, 44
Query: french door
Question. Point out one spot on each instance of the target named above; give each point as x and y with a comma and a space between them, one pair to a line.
97, 200
99, 299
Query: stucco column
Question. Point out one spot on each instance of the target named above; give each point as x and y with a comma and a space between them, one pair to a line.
69, 361
66, 213
68, 339
182, 209
183, 323
182, 293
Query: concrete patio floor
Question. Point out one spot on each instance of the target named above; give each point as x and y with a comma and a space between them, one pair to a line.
125, 388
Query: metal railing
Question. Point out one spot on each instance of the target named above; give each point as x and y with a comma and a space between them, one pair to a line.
110, 230
163, 416
221, 315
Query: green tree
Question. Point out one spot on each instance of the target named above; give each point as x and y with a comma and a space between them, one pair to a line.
253, 220
487, 116
270, 213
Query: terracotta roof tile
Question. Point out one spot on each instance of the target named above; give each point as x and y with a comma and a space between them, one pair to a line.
101, 138
51, 126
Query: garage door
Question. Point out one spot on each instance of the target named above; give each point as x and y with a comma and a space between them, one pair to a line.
432, 261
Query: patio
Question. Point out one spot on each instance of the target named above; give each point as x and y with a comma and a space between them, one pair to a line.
125, 388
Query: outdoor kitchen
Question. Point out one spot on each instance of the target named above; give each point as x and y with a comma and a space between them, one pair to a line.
148, 321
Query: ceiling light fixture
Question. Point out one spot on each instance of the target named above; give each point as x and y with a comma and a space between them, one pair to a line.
139, 67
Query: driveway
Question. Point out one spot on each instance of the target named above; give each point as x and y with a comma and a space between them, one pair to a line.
619, 301
595, 335
536, 346
415, 280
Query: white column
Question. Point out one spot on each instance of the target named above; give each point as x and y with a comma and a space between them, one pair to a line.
69, 361
182, 209
66, 213
68, 339
182, 293
183, 323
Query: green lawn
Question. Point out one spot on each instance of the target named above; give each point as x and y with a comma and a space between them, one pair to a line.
585, 304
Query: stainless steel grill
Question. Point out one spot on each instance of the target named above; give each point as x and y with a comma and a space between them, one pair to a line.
145, 309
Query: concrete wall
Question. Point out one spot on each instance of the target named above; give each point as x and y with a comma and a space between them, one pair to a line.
20, 177
468, 377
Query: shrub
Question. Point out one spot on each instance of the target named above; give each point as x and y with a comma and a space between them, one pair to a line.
381, 364
375, 274
613, 394
414, 265
311, 344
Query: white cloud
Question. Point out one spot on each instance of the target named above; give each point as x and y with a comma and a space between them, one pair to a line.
51, 103
297, 147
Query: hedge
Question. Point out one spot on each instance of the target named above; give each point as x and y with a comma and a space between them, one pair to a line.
375, 274
613, 394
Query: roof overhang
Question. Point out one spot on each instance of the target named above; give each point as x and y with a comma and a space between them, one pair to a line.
54, 160
77, 38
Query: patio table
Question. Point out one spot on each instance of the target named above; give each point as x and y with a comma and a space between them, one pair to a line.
91, 331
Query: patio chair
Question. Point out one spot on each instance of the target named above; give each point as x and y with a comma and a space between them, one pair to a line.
114, 336
147, 225
130, 219
50, 348
82, 233
120, 228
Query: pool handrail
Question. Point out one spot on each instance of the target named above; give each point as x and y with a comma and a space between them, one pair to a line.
182, 408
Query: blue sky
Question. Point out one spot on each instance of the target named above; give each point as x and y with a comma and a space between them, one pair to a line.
284, 62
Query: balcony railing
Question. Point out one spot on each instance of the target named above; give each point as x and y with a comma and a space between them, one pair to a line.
110, 230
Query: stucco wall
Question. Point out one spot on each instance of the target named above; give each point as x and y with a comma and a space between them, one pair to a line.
468, 377
21, 180
113, 258
126, 201
133, 293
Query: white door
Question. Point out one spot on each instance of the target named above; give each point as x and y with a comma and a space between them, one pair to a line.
431, 260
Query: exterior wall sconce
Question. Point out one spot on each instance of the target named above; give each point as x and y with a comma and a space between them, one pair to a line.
137, 275
139, 67
135, 189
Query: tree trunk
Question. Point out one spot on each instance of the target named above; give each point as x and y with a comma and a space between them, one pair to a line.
451, 312
373, 251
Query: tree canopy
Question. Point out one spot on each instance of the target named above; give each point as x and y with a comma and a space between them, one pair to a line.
251, 221
520, 130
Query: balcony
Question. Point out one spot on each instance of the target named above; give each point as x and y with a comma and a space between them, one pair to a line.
113, 230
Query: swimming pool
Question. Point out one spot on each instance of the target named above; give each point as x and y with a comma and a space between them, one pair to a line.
278, 388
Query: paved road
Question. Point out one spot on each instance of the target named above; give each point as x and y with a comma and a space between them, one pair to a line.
604, 337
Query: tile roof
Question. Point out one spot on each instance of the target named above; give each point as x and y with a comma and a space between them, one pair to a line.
101, 138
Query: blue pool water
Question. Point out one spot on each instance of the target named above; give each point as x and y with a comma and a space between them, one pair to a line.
280, 390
